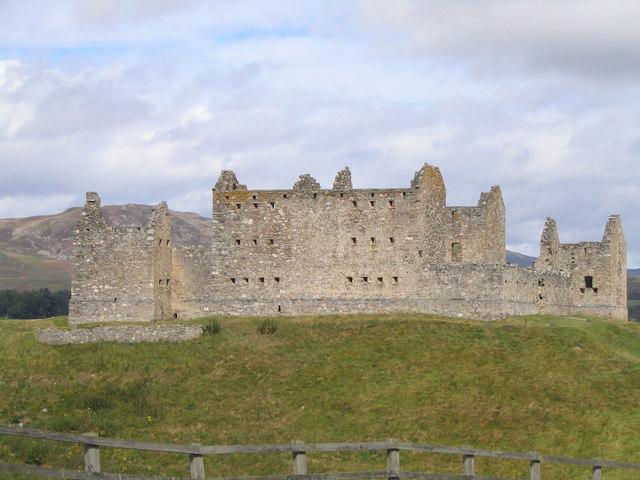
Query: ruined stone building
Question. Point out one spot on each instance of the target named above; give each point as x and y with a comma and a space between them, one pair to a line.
310, 250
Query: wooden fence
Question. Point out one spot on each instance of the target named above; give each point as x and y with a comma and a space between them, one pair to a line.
298, 451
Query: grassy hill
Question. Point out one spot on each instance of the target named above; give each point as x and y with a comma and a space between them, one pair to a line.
555, 385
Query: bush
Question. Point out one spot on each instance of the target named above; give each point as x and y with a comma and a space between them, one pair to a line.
212, 327
267, 327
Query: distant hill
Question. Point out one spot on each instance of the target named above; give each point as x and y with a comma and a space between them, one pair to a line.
35, 252
633, 272
519, 259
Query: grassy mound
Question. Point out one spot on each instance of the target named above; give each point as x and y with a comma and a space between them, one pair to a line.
561, 386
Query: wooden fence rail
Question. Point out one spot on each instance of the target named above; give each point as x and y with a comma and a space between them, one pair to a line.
298, 450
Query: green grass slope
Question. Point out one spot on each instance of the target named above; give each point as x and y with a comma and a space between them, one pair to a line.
30, 271
553, 385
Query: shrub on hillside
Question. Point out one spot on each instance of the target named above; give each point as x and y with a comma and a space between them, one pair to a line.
211, 328
267, 327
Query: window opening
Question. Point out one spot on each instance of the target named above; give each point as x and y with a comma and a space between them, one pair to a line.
456, 252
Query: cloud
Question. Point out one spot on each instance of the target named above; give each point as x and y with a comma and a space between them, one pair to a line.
585, 38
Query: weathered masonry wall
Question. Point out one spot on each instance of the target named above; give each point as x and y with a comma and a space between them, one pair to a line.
120, 274
597, 270
310, 250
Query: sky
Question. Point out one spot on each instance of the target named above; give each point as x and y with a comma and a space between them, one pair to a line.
147, 100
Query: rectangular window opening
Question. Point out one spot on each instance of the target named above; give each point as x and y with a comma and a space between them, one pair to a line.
233, 279
372, 203
379, 279
238, 241
255, 241
391, 203
373, 240
271, 242
273, 204
276, 279
354, 240
350, 279
355, 204
420, 253
315, 195
588, 281
373, 194
261, 279
456, 252
392, 240
255, 205
167, 281
342, 195
284, 195
395, 279
255, 197
246, 280
365, 279
238, 206
404, 194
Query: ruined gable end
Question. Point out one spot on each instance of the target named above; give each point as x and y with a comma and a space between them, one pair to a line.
343, 180
429, 180
306, 183
227, 182
549, 246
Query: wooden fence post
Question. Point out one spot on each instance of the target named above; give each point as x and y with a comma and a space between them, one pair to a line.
597, 470
91, 456
299, 456
196, 464
468, 465
534, 467
393, 459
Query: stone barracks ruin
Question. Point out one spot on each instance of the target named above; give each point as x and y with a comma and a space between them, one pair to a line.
310, 250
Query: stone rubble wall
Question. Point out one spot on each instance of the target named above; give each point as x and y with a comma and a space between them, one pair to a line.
120, 334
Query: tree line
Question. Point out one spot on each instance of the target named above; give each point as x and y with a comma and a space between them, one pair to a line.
34, 303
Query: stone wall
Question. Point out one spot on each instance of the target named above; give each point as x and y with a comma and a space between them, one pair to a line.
120, 274
310, 250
